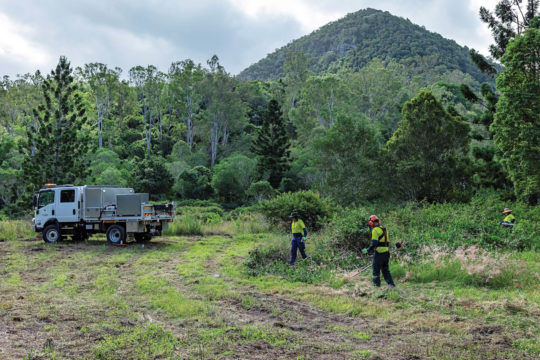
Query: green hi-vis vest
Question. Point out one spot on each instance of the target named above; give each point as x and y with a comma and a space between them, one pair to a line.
297, 227
509, 218
381, 235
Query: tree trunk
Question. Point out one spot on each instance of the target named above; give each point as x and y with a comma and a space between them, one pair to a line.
214, 140
146, 133
225, 137
331, 104
100, 123
189, 120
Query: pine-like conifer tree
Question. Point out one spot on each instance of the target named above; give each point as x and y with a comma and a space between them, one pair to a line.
272, 146
58, 143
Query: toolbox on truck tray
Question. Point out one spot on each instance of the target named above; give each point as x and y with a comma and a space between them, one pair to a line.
130, 205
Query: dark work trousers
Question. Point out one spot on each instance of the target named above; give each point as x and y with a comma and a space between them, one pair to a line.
297, 243
380, 263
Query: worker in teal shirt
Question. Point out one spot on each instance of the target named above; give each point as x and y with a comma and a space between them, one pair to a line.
299, 233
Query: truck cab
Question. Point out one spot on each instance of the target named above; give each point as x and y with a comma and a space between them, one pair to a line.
58, 206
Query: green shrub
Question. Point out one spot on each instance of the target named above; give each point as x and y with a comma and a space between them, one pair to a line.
233, 176
194, 183
204, 215
261, 190
349, 230
313, 210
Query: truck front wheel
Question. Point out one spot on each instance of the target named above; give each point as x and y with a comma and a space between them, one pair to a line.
116, 234
51, 234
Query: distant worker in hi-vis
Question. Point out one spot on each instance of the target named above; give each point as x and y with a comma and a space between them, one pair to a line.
299, 233
509, 220
381, 256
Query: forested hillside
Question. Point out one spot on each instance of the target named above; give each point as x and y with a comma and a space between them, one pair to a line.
356, 39
195, 131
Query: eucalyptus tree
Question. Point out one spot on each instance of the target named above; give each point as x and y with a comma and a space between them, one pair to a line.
224, 111
185, 82
296, 72
17, 99
320, 100
149, 84
103, 83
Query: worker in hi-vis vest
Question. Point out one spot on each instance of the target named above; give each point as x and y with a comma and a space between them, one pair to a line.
509, 220
381, 256
299, 233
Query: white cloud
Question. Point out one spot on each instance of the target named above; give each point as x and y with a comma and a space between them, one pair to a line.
307, 13
16, 46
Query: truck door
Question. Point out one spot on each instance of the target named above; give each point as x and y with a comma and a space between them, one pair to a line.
66, 209
45, 206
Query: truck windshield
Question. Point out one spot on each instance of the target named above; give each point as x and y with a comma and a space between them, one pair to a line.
45, 198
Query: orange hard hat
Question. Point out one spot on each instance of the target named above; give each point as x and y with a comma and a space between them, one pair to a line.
372, 220
506, 211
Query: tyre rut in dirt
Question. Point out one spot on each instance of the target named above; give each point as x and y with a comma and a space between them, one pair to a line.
116, 234
51, 234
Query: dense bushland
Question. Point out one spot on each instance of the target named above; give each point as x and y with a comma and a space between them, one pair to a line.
446, 242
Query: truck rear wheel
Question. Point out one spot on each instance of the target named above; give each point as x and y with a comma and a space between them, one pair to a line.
51, 234
116, 234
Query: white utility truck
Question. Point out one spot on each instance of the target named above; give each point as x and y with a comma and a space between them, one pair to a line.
80, 211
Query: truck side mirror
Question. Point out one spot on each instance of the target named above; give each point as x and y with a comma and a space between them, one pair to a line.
34, 200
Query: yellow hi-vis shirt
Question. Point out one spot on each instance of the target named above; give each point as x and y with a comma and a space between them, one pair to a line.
509, 218
376, 233
297, 227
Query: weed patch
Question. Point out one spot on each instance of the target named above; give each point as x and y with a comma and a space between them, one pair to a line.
147, 341
166, 298
12, 230
187, 224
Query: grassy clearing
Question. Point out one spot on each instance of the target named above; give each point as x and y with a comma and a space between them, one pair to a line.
209, 296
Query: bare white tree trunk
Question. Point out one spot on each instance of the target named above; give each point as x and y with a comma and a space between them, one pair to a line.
146, 132
225, 133
331, 103
189, 119
214, 140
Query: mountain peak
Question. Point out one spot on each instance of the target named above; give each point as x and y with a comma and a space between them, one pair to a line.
359, 37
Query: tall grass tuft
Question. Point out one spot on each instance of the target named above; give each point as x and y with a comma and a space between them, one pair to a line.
186, 224
15, 229
466, 266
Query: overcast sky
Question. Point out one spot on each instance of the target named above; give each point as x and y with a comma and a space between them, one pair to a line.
125, 33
